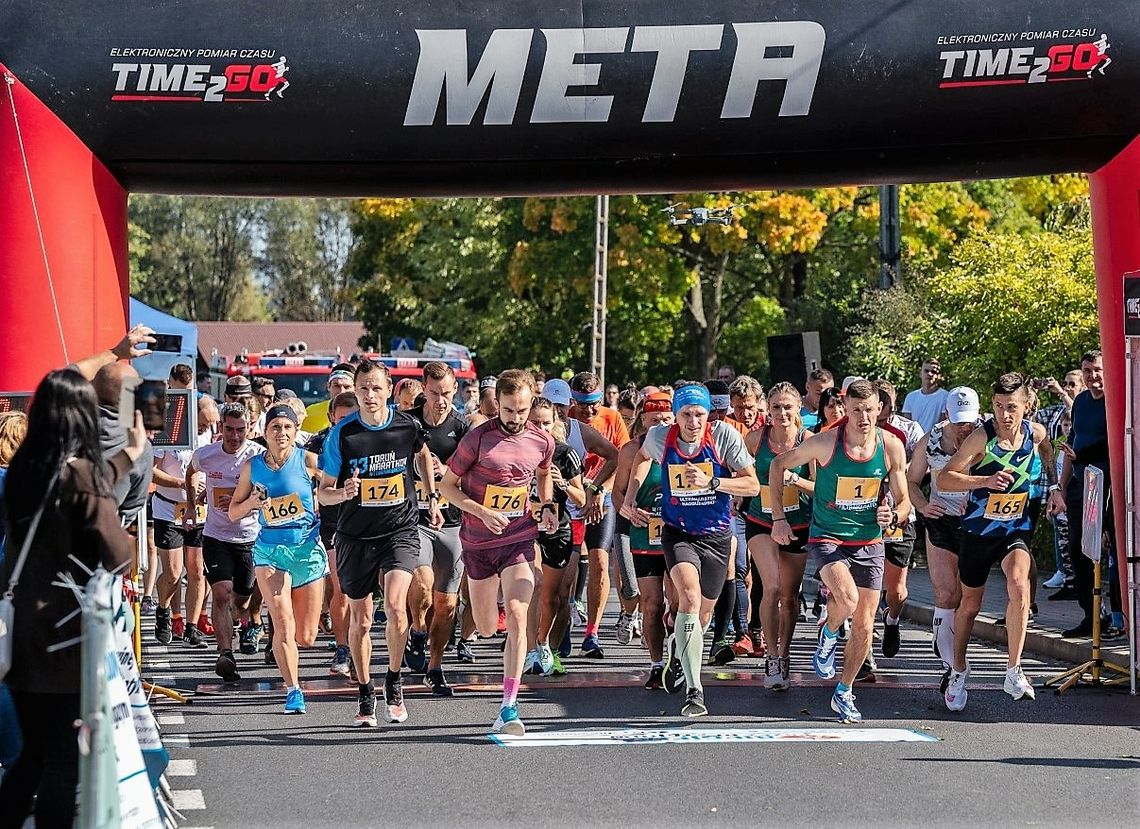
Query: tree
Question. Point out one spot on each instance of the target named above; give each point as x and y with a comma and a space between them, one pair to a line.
307, 244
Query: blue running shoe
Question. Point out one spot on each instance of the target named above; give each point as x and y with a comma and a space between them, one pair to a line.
823, 660
843, 704
567, 645
591, 649
509, 722
294, 702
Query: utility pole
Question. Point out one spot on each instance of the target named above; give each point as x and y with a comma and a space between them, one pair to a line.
601, 257
890, 236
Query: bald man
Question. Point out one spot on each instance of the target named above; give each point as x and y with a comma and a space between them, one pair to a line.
131, 489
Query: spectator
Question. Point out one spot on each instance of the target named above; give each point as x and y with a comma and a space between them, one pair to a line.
831, 409
926, 405
205, 386
1051, 416
612, 393
726, 374
818, 382
131, 490
265, 390
80, 521
13, 428
1088, 446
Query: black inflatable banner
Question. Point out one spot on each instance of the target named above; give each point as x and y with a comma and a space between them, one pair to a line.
537, 96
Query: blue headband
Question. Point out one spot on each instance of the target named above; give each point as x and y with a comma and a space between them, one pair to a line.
587, 397
691, 396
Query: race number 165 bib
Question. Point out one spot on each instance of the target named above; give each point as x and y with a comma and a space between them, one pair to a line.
1006, 506
388, 491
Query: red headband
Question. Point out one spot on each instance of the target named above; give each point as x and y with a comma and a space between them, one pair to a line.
657, 403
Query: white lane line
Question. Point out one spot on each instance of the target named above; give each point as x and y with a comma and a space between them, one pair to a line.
156, 649
176, 740
188, 799
158, 665
182, 768
159, 679
174, 718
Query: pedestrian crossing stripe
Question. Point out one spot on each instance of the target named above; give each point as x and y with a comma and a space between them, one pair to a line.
656, 736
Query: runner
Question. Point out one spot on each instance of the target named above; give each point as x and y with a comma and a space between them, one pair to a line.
817, 383
997, 466
289, 560
180, 550
436, 581
600, 515
849, 515
488, 407
645, 538
943, 511
340, 407
366, 467
227, 546
704, 464
780, 566
317, 414
546, 621
494, 465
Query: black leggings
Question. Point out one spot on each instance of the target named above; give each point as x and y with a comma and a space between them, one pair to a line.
48, 766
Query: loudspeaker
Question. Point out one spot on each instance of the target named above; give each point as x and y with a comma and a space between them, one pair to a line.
792, 357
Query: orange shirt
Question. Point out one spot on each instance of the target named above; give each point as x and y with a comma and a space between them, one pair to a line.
740, 427
609, 424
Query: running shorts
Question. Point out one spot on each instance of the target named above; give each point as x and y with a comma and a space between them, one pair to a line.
899, 551
799, 537
359, 563
483, 564
865, 561
441, 550
945, 532
600, 536
557, 549
229, 561
977, 555
708, 553
171, 536
305, 564
648, 565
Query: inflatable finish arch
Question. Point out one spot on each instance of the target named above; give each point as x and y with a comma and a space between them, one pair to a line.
513, 97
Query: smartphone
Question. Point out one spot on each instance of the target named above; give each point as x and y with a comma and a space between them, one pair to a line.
261, 492
171, 343
150, 399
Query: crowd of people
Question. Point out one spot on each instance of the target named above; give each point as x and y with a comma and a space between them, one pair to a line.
515, 509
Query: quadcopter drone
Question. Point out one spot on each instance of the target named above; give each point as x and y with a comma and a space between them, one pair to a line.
679, 214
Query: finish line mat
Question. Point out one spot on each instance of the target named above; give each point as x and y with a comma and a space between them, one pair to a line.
657, 736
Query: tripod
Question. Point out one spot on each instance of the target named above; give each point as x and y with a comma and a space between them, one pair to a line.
1076, 675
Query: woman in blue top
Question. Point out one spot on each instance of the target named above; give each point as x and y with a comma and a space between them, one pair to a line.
288, 557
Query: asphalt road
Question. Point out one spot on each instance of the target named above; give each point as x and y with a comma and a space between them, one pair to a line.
1071, 760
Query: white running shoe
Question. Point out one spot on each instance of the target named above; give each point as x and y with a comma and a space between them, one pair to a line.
956, 693
774, 675
531, 665
1056, 580
1017, 684
625, 628
545, 659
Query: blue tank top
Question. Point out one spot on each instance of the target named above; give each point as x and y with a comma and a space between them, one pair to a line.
990, 513
289, 519
694, 511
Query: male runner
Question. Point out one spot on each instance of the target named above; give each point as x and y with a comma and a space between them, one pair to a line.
488, 405
227, 546
601, 517
704, 465
436, 582
817, 383
845, 538
340, 407
488, 478
998, 465
366, 467
339, 382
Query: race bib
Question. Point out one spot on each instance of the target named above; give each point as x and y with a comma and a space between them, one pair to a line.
422, 497
857, 493
282, 510
221, 496
791, 498
678, 483
510, 501
1006, 506
656, 525
895, 534
383, 492
182, 507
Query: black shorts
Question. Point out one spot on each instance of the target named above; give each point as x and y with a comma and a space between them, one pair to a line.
799, 537
229, 561
708, 553
600, 536
899, 551
359, 563
557, 549
651, 566
978, 554
328, 535
171, 536
945, 532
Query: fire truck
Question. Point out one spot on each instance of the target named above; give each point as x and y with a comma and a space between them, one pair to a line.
293, 367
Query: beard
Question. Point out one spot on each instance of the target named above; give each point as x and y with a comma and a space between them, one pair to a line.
512, 428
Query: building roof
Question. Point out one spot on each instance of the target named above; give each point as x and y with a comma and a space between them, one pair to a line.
230, 338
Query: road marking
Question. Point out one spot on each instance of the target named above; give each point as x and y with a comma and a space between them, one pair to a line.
158, 665
162, 679
656, 736
182, 768
176, 740
188, 799
173, 718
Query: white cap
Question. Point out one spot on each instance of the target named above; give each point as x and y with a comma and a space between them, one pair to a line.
962, 405
847, 381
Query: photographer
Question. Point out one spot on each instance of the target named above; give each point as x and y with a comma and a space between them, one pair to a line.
80, 519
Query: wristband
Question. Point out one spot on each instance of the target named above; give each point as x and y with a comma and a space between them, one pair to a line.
781, 518
435, 495
549, 505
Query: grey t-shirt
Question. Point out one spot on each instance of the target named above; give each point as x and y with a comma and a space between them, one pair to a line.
727, 441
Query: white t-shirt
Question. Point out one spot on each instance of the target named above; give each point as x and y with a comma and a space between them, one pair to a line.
222, 471
174, 462
925, 409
